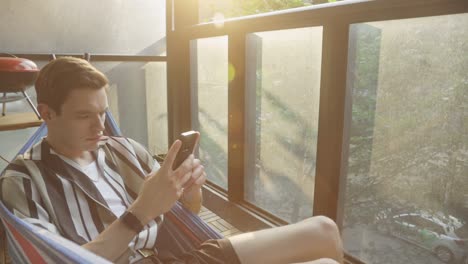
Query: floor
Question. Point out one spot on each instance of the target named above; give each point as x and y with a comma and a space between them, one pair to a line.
217, 223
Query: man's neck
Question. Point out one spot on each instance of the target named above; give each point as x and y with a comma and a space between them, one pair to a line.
83, 158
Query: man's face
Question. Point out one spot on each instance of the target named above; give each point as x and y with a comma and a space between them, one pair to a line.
80, 124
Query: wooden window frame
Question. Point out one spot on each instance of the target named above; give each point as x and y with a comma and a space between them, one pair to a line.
335, 99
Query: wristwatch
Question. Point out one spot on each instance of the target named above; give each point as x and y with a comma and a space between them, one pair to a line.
131, 221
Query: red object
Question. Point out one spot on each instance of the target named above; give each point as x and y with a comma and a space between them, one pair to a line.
17, 65
28, 248
16, 74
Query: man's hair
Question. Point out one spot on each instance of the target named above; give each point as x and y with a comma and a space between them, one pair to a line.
59, 77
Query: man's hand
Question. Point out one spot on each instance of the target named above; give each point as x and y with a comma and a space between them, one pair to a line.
192, 190
162, 189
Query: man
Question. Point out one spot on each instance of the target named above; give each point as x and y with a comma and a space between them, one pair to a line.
108, 194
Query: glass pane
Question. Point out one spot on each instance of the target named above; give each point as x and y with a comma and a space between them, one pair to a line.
210, 10
408, 140
156, 106
283, 85
210, 82
104, 27
138, 101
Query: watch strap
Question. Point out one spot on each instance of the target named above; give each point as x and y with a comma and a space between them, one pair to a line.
131, 221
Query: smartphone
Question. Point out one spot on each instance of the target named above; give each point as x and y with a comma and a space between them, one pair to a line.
189, 142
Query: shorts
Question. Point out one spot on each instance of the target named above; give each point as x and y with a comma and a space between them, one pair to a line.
213, 251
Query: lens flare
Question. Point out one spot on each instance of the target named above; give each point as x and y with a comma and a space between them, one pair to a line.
231, 72
218, 20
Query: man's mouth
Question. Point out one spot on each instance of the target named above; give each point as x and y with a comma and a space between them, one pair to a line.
96, 138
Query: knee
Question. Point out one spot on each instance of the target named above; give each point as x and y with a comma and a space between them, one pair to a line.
326, 226
325, 261
321, 261
324, 230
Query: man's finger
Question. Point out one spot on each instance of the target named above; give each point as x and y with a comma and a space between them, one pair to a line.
200, 180
186, 166
185, 178
196, 162
172, 153
189, 183
198, 177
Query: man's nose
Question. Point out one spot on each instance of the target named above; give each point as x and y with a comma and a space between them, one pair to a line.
99, 122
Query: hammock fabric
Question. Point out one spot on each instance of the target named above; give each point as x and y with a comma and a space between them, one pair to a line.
181, 230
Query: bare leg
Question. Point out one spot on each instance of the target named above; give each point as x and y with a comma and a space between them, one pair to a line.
320, 261
312, 239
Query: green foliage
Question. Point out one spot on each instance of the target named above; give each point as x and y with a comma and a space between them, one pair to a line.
249, 7
236, 8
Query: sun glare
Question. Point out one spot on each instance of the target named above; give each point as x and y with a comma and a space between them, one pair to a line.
231, 72
218, 19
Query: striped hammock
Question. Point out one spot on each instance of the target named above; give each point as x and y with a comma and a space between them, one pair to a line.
182, 230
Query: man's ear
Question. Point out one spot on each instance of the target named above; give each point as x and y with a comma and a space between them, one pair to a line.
46, 112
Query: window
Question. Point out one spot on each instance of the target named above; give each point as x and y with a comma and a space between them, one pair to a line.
209, 60
282, 94
409, 219
156, 106
138, 101
429, 225
407, 146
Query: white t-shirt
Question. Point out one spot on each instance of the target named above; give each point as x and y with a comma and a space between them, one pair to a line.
113, 200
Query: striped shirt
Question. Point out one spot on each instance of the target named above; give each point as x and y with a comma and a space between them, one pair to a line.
54, 193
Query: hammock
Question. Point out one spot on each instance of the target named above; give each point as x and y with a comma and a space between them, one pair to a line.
181, 230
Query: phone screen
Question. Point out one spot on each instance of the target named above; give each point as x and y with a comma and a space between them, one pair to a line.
189, 141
